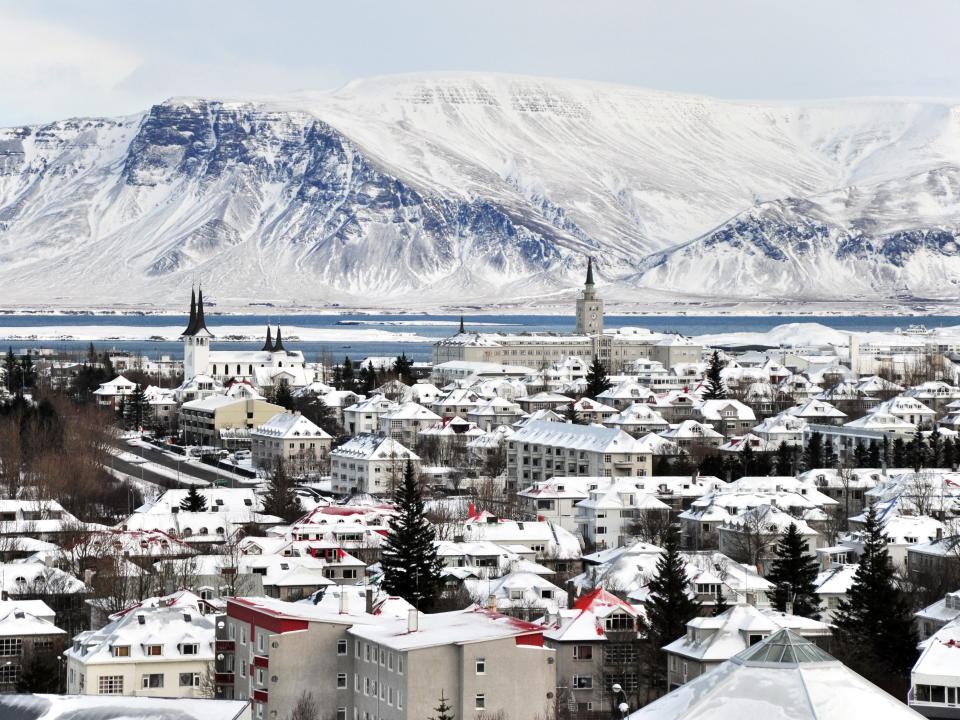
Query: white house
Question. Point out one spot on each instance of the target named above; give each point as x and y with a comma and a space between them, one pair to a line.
290, 437
369, 463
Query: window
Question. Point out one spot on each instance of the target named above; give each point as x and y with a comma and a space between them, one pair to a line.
107, 684
341, 713
480, 701
153, 680
189, 649
341, 647
383, 657
366, 652
390, 661
9, 674
619, 622
399, 700
189, 679
341, 681
755, 638
154, 649
357, 653
10, 646
120, 651
366, 686
582, 682
356, 682
583, 652
481, 666
400, 664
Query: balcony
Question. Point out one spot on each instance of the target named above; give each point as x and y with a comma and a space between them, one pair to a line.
226, 646
223, 678
261, 661
260, 695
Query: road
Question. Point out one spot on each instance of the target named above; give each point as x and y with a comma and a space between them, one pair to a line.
191, 470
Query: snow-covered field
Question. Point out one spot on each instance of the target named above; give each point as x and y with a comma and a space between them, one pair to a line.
225, 333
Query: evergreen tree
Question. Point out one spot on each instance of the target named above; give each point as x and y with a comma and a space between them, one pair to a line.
136, 409
368, 379
747, 461
283, 396
829, 456
10, 369
194, 501
571, 415
721, 605
39, 675
918, 450
898, 454
597, 380
669, 608
347, 379
443, 710
873, 454
935, 448
27, 371
784, 463
861, 456
794, 573
403, 368
411, 568
949, 452
875, 623
813, 452
280, 498
714, 389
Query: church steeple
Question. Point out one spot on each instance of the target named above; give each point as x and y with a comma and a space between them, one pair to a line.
268, 345
278, 345
201, 323
193, 313
461, 325
589, 271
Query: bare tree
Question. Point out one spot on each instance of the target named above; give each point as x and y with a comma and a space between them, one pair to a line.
306, 708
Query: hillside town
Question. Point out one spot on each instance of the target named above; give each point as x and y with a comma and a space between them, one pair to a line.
606, 523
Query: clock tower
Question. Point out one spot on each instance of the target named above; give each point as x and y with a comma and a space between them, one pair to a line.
589, 307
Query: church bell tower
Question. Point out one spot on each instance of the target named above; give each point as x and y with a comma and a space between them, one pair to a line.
589, 307
196, 340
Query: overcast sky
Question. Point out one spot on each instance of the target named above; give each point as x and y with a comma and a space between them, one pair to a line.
111, 57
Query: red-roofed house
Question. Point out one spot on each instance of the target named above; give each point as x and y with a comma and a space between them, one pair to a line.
597, 644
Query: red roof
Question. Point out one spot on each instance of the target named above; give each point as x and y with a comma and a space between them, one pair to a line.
601, 597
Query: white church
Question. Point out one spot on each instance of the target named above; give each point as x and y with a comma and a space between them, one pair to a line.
266, 368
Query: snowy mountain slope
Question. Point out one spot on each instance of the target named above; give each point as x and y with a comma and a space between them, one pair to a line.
417, 190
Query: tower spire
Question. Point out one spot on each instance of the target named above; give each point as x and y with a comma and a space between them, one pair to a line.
268, 345
461, 325
278, 345
191, 323
589, 271
201, 323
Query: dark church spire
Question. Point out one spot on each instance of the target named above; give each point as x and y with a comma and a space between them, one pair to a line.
201, 323
461, 325
589, 271
268, 345
193, 313
278, 345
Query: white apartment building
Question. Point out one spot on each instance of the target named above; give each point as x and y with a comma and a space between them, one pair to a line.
150, 651
291, 438
369, 463
541, 450
364, 416
404, 422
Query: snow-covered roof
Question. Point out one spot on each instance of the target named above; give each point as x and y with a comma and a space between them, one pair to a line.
939, 662
591, 438
459, 627
288, 425
119, 707
370, 446
719, 638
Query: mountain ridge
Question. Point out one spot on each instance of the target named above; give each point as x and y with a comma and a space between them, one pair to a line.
478, 188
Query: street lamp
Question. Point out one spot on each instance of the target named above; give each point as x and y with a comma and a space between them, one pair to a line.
619, 695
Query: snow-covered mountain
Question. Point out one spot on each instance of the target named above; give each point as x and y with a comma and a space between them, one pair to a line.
453, 188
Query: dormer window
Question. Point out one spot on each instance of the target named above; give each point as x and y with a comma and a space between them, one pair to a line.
189, 649
153, 650
120, 651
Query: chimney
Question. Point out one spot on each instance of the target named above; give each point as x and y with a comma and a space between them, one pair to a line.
369, 597
4, 595
939, 534
413, 620
492, 602
344, 601
87, 577
141, 619
186, 617
571, 594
